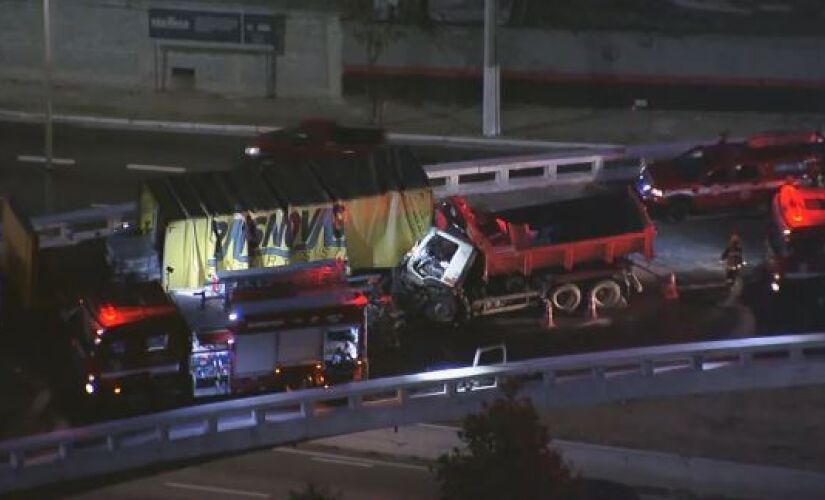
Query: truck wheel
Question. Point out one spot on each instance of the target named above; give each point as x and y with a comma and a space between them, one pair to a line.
678, 209
443, 308
567, 297
607, 293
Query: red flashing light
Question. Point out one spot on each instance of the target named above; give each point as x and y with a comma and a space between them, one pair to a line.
792, 205
358, 299
109, 315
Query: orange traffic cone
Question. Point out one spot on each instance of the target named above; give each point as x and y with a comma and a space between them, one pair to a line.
548, 318
670, 292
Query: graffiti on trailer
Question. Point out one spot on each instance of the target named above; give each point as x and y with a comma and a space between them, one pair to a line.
280, 234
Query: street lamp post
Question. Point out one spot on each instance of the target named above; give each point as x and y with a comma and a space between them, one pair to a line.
491, 118
47, 104
47, 80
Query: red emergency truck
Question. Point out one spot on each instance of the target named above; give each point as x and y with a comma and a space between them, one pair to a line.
730, 175
796, 236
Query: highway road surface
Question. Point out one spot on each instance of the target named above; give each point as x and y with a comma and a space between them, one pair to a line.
273, 473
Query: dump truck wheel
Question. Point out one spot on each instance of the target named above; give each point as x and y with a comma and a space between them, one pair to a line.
567, 297
607, 293
443, 308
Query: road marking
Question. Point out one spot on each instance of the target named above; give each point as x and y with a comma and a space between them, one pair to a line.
42, 159
156, 168
358, 462
341, 462
215, 489
437, 426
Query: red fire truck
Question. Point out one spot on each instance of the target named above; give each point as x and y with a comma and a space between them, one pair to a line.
796, 236
731, 175
478, 262
294, 326
131, 340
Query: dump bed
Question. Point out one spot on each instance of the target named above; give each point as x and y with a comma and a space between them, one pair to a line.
560, 234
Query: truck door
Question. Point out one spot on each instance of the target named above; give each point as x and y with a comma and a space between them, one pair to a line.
747, 187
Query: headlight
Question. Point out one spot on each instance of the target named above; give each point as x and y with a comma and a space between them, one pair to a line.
656, 192
645, 188
252, 151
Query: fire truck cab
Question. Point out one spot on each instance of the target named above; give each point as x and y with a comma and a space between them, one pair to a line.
131, 341
796, 236
731, 175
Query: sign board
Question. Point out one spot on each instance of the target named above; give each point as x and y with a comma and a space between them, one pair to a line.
220, 27
202, 26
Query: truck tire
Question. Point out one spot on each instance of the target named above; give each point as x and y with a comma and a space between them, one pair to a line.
443, 308
607, 293
566, 297
678, 209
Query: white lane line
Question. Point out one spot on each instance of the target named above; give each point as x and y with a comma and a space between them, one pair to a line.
341, 462
216, 490
156, 168
350, 460
42, 159
437, 426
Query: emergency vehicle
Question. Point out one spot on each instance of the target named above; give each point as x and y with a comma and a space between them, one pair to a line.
287, 327
796, 236
130, 339
731, 175
312, 140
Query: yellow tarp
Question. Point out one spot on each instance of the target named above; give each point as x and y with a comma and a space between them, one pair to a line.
379, 230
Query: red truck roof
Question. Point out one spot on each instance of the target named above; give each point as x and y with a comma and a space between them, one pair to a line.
784, 138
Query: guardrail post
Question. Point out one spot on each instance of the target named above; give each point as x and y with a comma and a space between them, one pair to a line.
598, 372
64, 450
796, 355
111, 443
548, 378
697, 362
308, 409
403, 395
259, 415
212, 424
16, 460
451, 388
163, 433
647, 368
746, 358
354, 402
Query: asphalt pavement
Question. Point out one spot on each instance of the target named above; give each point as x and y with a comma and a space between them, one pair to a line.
273, 473
105, 166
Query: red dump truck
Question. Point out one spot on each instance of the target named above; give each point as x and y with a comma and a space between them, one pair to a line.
475, 262
796, 236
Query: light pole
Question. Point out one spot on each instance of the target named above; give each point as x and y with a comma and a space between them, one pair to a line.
47, 98
491, 118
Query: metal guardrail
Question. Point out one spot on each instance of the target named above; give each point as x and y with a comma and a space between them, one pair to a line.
243, 424
520, 172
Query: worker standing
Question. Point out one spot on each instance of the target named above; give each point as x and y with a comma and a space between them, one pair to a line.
733, 258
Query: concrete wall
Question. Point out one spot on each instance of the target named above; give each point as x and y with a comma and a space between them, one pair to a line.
606, 56
107, 42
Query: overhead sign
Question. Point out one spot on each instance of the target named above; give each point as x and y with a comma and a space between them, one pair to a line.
220, 27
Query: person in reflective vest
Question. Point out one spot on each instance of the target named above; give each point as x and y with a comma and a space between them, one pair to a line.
733, 259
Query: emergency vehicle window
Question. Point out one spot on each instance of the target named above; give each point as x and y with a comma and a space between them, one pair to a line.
692, 163
743, 173
157, 342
